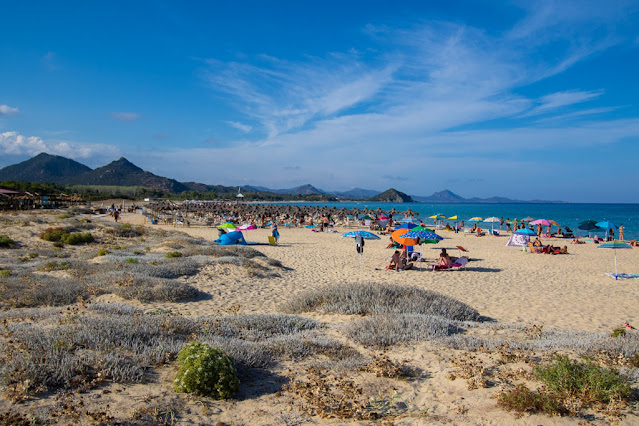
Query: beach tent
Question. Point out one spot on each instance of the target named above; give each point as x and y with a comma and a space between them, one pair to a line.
231, 238
519, 239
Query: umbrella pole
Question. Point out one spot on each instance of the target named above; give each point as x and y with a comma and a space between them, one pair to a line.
361, 262
616, 274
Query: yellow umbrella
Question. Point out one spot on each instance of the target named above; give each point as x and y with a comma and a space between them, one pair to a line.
476, 218
453, 217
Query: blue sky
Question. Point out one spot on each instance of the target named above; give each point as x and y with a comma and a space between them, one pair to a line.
528, 100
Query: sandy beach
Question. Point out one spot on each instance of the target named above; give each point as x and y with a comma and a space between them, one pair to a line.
502, 283
518, 294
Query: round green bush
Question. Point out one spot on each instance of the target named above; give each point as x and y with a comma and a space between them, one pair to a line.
206, 371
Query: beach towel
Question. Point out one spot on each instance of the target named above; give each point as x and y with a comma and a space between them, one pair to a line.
623, 275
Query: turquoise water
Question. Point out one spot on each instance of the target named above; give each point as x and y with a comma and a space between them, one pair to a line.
565, 214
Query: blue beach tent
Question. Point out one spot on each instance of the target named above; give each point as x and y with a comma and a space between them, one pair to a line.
231, 238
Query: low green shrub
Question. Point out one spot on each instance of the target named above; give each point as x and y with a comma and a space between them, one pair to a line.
522, 399
205, 370
173, 254
5, 273
54, 234
103, 252
6, 242
78, 238
618, 332
583, 380
55, 266
132, 260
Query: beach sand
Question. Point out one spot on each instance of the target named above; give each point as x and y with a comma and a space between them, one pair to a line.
503, 283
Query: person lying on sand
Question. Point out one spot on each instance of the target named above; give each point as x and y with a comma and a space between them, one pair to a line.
537, 242
577, 241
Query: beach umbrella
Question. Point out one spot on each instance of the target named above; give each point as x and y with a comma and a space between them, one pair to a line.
228, 225
607, 225
475, 219
437, 216
421, 228
406, 225
423, 237
525, 231
491, 220
453, 217
588, 225
398, 237
382, 217
363, 235
528, 219
615, 245
542, 222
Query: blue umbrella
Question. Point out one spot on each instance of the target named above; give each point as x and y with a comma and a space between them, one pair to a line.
407, 225
607, 226
424, 236
525, 231
364, 234
615, 245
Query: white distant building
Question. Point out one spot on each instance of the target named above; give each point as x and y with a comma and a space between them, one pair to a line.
239, 195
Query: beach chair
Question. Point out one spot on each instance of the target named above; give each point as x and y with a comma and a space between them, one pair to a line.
461, 249
459, 264
272, 241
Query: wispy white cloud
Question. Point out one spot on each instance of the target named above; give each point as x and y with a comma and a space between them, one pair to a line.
239, 126
126, 116
283, 96
13, 143
557, 100
7, 110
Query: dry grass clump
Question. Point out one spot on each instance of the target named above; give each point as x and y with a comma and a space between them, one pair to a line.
382, 331
24, 289
81, 346
125, 231
363, 299
331, 396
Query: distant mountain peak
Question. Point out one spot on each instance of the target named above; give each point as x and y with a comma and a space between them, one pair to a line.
392, 196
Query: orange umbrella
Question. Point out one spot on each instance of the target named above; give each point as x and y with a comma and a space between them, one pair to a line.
397, 237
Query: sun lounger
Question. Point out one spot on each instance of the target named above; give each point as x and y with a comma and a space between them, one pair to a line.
459, 264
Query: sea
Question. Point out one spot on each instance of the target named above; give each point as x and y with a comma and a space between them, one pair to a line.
566, 214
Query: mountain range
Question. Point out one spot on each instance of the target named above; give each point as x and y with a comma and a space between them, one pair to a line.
45, 168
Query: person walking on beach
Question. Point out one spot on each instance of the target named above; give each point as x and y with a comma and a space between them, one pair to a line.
620, 232
508, 225
116, 214
501, 222
275, 233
